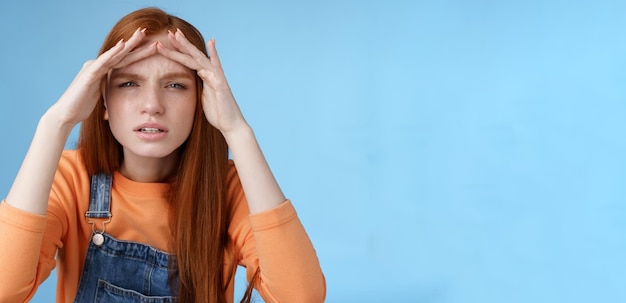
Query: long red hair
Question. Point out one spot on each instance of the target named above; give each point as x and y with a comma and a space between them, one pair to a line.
199, 214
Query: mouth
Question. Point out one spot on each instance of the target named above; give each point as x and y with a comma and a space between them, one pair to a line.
150, 130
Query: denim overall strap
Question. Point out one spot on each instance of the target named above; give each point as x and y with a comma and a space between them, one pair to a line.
117, 271
100, 196
99, 205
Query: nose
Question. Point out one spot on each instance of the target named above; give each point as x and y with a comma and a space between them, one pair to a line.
151, 103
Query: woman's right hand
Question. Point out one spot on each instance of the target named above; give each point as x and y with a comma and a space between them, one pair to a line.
81, 97
31, 188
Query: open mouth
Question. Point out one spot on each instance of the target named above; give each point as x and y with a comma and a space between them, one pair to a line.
150, 130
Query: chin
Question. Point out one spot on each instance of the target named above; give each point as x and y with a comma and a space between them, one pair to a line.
160, 154
152, 153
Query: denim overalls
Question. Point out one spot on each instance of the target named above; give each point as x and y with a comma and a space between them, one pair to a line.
119, 271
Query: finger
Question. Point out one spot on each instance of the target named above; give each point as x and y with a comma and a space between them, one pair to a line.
137, 55
111, 57
215, 58
107, 60
177, 56
98, 67
134, 41
180, 42
109, 54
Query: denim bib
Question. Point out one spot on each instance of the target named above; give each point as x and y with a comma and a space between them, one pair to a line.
119, 271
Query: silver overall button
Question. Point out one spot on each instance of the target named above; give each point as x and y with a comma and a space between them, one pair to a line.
98, 239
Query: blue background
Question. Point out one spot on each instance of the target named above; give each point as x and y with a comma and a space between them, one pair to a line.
437, 151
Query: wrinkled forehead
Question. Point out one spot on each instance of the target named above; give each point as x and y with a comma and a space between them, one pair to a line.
154, 64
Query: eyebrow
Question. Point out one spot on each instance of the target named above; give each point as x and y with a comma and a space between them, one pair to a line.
168, 76
178, 75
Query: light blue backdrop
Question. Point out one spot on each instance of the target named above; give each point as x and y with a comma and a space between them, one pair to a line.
437, 151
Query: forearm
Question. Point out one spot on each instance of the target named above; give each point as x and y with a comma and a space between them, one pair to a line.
290, 269
258, 182
23, 269
31, 188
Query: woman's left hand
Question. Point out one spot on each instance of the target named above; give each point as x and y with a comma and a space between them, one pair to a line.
218, 102
221, 110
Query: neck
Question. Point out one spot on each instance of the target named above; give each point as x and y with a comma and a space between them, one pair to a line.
151, 170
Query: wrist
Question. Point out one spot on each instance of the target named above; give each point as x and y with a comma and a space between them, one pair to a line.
236, 134
53, 121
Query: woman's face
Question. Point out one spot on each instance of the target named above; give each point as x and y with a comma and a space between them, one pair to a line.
150, 105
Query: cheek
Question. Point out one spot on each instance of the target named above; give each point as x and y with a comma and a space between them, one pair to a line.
111, 108
187, 105
118, 112
110, 103
188, 114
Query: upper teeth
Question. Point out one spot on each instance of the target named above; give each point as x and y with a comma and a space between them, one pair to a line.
150, 130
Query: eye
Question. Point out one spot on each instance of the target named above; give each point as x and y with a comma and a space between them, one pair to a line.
176, 85
127, 84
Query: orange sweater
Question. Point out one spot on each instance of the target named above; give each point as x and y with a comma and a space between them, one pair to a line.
274, 240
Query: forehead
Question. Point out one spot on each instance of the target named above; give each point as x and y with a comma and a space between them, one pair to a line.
154, 64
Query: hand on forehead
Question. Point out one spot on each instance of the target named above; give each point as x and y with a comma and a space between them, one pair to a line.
148, 46
150, 41
173, 46
146, 53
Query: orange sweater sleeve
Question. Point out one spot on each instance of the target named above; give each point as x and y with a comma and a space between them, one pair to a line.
29, 243
276, 242
21, 235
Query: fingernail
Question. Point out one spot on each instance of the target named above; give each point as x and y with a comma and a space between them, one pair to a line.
179, 31
119, 42
144, 29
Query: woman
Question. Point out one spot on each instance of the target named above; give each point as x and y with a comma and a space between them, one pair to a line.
149, 208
